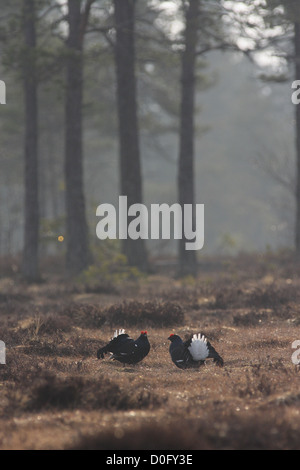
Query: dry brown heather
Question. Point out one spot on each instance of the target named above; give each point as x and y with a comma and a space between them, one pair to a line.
55, 394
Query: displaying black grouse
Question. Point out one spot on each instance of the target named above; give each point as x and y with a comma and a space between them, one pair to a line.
193, 352
125, 349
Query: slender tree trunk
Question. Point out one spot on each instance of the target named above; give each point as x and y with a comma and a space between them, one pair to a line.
77, 257
31, 232
186, 186
297, 108
130, 164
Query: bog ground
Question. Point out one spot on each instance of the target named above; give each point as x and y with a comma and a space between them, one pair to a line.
55, 394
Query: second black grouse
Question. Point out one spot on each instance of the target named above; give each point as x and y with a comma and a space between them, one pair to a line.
193, 352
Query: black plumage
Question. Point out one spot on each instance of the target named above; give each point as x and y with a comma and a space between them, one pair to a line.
193, 352
125, 349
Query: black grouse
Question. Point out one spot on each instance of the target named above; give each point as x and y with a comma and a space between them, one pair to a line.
125, 349
193, 352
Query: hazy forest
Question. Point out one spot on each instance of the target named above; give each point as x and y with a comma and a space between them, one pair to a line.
168, 105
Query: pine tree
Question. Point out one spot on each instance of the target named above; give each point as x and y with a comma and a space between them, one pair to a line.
129, 145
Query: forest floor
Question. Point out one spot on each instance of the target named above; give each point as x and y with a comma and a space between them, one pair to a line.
55, 394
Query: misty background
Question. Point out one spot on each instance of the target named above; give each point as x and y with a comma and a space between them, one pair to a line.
244, 146
239, 118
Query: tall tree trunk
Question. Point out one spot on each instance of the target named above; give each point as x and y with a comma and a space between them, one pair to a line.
297, 108
130, 164
186, 186
77, 257
31, 231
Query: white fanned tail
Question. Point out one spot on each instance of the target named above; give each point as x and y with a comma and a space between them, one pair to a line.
198, 348
118, 333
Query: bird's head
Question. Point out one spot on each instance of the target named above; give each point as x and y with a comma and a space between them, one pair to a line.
143, 333
173, 338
